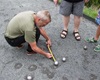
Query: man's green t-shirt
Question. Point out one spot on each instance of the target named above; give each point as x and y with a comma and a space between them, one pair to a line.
22, 24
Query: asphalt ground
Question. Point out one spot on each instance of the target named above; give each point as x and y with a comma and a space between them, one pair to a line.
80, 64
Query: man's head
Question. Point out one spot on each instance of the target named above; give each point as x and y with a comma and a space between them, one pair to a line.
42, 18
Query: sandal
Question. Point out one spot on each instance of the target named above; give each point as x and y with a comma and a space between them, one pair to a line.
77, 36
91, 40
63, 34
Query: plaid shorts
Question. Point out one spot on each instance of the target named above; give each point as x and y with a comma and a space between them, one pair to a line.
67, 8
98, 18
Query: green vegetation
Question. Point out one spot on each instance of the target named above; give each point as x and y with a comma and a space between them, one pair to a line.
90, 12
91, 8
93, 3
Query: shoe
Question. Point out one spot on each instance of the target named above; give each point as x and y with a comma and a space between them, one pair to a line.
19, 47
97, 48
91, 40
30, 53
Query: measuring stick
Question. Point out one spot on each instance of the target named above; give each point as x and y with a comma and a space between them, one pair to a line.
51, 53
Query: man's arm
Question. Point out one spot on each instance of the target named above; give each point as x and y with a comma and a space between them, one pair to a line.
44, 34
38, 50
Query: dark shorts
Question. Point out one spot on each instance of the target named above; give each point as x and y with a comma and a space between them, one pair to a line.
67, 8
15, 42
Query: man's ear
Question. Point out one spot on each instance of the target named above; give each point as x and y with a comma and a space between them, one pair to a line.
38, 19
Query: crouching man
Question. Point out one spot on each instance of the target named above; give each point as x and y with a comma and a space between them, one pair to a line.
27, 27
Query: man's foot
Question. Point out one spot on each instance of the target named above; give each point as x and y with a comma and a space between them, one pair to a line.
97, 48
19, 47
77, 36
91, 40
30, 53
63, 34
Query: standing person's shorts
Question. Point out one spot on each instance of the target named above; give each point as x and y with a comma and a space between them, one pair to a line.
67, 8
98, 18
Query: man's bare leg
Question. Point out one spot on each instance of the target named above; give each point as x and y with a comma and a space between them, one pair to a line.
97, 33
65, 22
76, 23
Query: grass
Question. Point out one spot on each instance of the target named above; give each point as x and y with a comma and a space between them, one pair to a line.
90, 12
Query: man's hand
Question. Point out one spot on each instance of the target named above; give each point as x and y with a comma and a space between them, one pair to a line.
48, 55
38, 50
86, 1
48, 42
56, 2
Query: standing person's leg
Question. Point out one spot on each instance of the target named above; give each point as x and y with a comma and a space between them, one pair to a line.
65, 22
97, 48
37, 38
65, 10
76, 23
97, 33
94, 39
76, 27
65, 30
78, 12
98, 29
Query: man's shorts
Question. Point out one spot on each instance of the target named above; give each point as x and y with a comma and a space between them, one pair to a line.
98, 21
98, 18
67, 8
